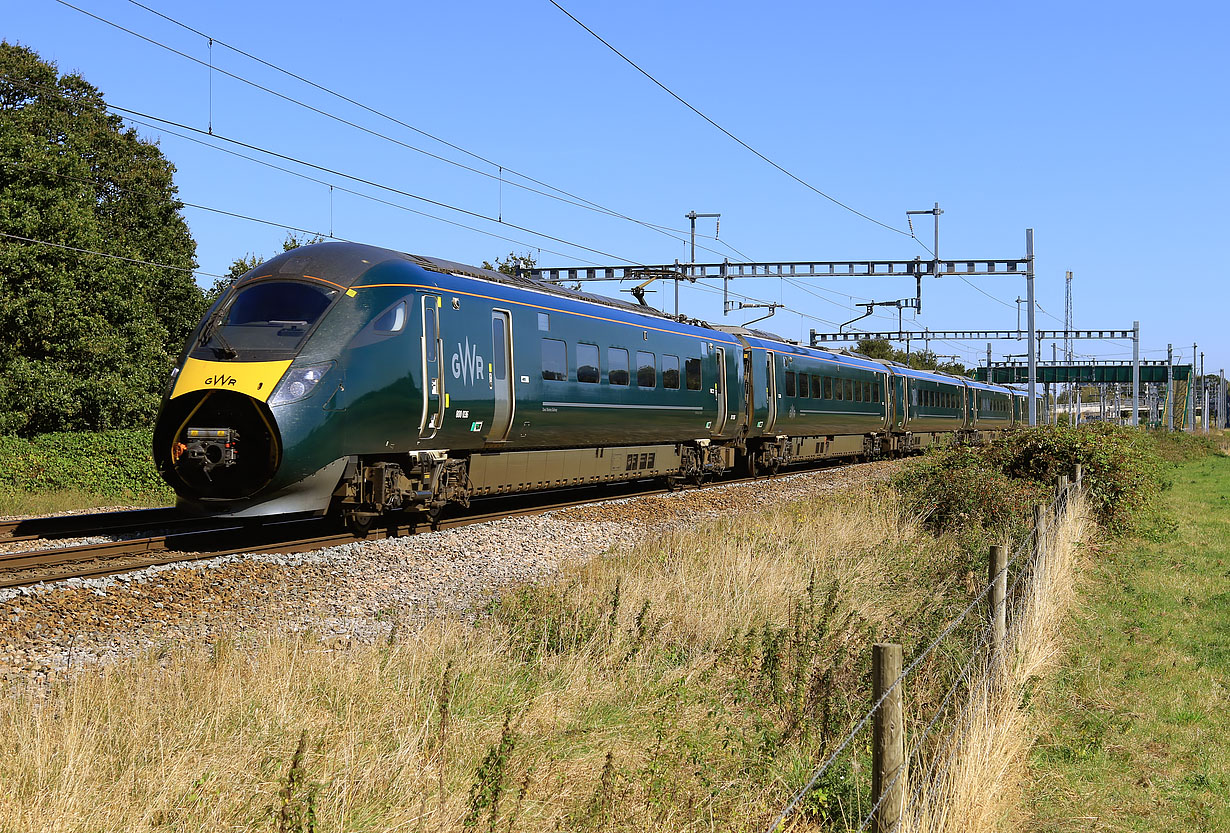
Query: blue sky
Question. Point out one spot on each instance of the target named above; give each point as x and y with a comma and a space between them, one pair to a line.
1102, 126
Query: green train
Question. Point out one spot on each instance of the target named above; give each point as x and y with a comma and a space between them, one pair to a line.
349, 378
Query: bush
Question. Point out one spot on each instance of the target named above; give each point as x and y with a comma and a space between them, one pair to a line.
992, 486
1122, 470
114, 464
957, 488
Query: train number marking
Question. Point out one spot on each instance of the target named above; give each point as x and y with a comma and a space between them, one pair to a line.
463, 415
467, 364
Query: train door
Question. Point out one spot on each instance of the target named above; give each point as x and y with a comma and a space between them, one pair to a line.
901, 402
433, 381
771, 378
749, 391
501, 376
719, 391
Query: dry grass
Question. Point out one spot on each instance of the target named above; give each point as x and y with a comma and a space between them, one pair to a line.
602, 700
690, 684
979, 780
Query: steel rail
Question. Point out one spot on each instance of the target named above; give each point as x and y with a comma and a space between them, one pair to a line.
304, 535
93, 523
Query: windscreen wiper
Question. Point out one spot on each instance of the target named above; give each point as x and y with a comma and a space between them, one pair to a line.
211, 331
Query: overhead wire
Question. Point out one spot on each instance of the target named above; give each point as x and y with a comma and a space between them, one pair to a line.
371, 183
351, 191
726, 132
334, 172
568, 197
111, 256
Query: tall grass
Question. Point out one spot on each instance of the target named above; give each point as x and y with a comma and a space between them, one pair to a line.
690, 683
975, 777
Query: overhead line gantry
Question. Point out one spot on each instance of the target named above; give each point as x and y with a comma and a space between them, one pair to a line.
917, 268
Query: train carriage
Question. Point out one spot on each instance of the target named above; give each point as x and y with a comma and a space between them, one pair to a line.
365, 380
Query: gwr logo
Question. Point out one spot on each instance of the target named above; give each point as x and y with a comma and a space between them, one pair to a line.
467, 364
221, 380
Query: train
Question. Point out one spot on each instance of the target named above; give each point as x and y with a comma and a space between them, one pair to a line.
356, 380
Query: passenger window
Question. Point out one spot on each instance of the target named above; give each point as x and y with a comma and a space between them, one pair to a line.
391, 321
670, 372
803, 388
875, 391
646, 370
858, 391
587, 363
849, 385
617, 365
544, 322
691, 369
554, 360
839, 389
817, 387
828, 387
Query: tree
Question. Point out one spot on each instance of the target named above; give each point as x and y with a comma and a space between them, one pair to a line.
880, 350
86, 341
512, 263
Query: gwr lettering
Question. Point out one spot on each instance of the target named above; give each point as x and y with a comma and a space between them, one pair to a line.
221, 380
467, 364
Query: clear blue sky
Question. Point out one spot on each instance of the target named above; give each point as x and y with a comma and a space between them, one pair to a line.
1103, 126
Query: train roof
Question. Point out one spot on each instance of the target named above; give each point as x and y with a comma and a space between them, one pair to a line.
345, 264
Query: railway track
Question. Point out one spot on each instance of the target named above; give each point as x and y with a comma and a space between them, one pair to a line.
183, 538
231, 537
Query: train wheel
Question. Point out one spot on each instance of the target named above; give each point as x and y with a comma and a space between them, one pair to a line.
359, 525
750, 468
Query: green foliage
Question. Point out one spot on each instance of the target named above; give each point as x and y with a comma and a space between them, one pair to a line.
489, 778
88, 340
880, 350
1182, 447
960, 487
993, 486
512, 263
298, 812
114, 464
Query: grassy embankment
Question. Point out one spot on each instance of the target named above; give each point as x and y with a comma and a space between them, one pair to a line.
1137, 721
691, 682
55, 472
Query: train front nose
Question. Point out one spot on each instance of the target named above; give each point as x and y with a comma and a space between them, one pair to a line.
217, 445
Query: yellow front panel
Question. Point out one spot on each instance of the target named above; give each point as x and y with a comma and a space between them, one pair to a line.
256, 379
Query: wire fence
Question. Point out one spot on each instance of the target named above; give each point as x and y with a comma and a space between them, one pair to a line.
930, 756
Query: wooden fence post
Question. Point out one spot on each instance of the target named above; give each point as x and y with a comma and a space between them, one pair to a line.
1079, 475
999, 589
888, 738
1061, 496
1039, 539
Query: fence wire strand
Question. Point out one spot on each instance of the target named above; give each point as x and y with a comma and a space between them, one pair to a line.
1027, 548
